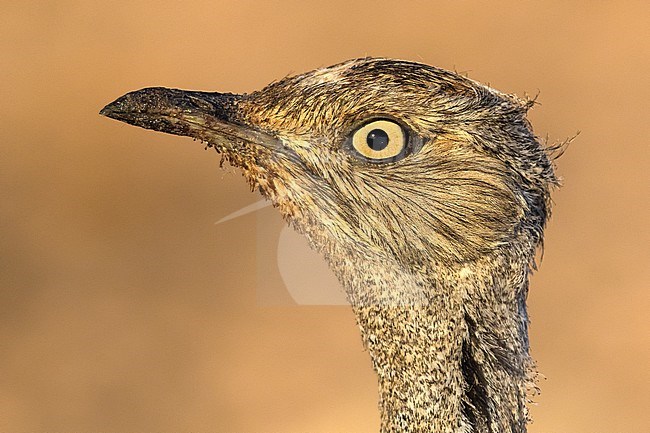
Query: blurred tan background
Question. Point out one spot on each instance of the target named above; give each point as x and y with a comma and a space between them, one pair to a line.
124, 308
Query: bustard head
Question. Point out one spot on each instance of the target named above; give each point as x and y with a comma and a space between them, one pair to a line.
426, 192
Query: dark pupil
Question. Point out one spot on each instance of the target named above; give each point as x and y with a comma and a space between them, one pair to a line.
377, 139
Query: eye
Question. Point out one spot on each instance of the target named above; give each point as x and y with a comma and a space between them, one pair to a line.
380, 140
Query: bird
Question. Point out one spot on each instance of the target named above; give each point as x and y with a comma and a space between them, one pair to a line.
426, 192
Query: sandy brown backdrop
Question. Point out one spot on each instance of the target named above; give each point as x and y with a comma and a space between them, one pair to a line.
124, 308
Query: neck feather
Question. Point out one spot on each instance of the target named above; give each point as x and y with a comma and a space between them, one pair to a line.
457, 363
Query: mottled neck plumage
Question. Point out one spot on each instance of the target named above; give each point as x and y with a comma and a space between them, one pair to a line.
459, 361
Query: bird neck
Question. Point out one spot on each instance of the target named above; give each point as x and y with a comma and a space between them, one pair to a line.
458, 362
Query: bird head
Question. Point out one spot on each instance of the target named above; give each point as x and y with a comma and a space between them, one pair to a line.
408, 162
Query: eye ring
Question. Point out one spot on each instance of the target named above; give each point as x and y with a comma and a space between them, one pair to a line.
380, 140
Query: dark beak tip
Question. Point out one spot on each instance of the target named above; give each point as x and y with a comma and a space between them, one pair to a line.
138, 101
106, 111
123, 106
113, 109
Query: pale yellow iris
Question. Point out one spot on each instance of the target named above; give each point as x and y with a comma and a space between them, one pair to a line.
396, 139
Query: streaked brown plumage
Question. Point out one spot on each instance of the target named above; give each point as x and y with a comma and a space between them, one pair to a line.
433, 242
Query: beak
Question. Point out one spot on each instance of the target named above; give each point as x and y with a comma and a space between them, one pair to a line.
214, 118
